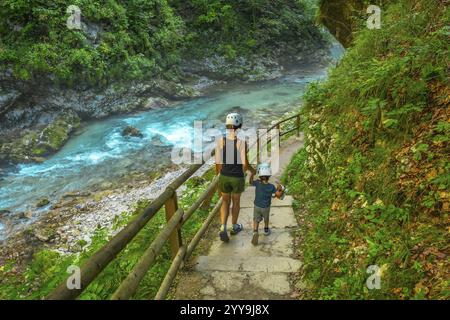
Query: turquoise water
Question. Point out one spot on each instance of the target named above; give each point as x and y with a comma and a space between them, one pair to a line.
100, 154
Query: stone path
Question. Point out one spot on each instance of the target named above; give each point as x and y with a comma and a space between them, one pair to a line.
239, 270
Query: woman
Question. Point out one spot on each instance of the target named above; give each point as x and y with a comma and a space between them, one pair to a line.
231, 164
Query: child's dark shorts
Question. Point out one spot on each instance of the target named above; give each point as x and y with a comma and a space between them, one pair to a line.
261, 213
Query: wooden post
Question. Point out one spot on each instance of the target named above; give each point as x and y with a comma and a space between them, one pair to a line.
298, 125
279, 135
175, 239
257, 150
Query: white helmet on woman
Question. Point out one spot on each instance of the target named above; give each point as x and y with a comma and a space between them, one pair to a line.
264, 170
234, 119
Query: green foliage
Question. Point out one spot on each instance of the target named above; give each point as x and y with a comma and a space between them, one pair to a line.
135, 37
372, 175
239, 28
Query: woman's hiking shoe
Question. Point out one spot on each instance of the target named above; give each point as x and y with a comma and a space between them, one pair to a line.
255, 238
224, 236
267, 231
238, 227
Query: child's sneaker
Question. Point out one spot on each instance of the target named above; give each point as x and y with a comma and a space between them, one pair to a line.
255, 238
267, 231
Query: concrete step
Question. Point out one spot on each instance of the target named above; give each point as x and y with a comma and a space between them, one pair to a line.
247, 264
278, 243
230, 285
248, 197
280, 218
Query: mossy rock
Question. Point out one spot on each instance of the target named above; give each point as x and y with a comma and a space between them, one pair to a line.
54, 136
42, 203
131, 131
39, 151
34, 145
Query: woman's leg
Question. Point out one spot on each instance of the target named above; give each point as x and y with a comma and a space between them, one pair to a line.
225, 208
236, 207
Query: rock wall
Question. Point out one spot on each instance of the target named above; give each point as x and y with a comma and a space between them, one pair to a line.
339, 16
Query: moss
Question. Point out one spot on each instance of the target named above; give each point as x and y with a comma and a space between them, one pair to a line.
39, 151
82, 243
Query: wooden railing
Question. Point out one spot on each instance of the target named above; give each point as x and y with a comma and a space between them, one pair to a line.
176, 218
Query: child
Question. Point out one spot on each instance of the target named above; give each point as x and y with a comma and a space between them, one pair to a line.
263, 199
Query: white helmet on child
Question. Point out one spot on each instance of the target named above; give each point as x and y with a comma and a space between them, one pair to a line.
234, 119
264, 170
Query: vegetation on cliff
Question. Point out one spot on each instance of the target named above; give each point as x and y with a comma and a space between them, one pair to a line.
372, 181
134, 38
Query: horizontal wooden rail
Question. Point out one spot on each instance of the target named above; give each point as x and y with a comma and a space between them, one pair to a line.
176, 218
130, 284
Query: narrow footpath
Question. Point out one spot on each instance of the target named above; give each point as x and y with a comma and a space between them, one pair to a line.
238, 270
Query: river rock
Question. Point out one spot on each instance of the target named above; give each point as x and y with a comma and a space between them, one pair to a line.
160, 141
38, 159
131, 131
25, 215
42, 203
174, 90
4, 212
44, 234
155, 103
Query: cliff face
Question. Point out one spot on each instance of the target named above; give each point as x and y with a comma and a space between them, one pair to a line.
342, 17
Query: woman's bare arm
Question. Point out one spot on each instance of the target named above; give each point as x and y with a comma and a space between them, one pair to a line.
247, 165
218, 155
279, 192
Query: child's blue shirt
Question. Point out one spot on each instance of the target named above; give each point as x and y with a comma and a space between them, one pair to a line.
263, 194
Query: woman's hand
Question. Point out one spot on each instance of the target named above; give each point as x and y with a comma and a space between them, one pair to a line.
250, 180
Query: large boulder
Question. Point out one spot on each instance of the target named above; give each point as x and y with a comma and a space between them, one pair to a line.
130, 131
38, 143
